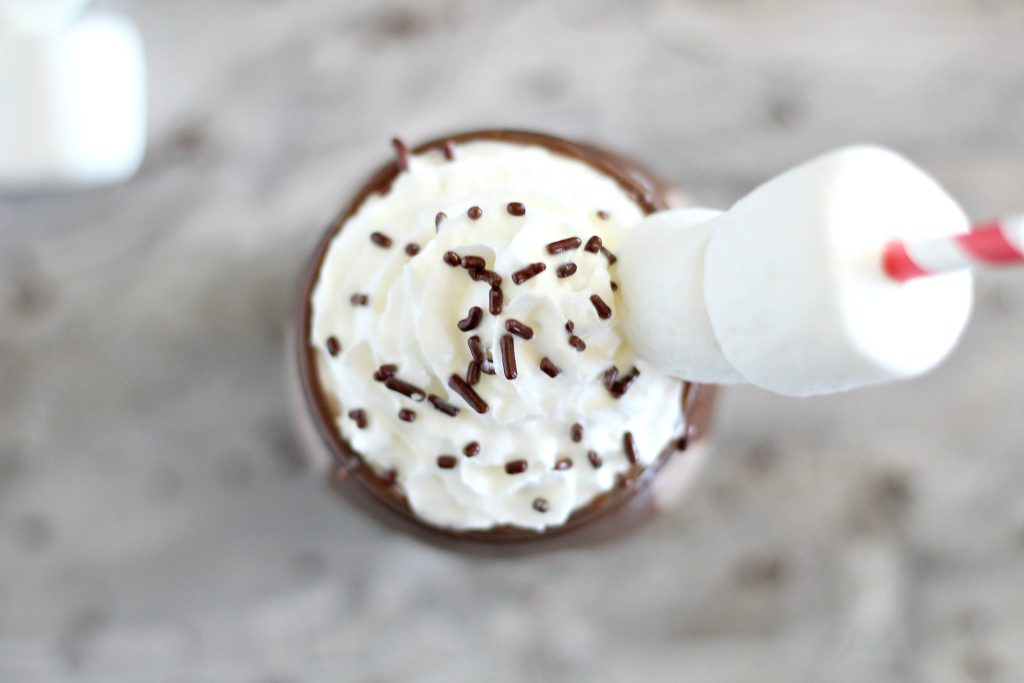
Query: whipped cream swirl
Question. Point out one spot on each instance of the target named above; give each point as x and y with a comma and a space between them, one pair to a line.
480, 447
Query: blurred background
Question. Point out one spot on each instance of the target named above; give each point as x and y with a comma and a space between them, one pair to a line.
157, 523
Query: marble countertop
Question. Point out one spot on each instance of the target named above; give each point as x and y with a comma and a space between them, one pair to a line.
157, 523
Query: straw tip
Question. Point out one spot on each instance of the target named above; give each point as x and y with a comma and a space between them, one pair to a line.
897, 263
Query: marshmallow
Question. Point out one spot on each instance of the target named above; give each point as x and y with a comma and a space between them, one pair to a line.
793, 277
72, 109
38, 17
661, 276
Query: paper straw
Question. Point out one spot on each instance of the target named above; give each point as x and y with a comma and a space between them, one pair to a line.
995, 243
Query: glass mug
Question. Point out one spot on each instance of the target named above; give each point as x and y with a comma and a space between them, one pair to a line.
611, 514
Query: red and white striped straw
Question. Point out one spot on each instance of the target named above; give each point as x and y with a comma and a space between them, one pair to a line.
996, 243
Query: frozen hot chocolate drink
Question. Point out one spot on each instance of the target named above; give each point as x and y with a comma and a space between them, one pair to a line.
475, 368
462, 348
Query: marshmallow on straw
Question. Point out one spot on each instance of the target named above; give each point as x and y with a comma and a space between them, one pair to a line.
795, 299
662, 265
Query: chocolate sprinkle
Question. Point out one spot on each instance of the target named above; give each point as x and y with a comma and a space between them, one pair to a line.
380, 239
385, 372
604, 311
476, 349
593, 245
468, 393
576, 431
682, 442
594, 459
494, 300
404, 388
333, 346
449, 149
472, 449
620, 387
570, 326
360, 299
451, 258
516, 208
472, 319
475, 212
447, 462
473, 374
549, 368
610, 377
566, 269
540, 504
519, 329
508, 356
359, 417
630, 447
443, 405
614, 285
603, 215
558, 246
412, 249
524, 274
488, 276
401, 153
439, 218
612, 258
406, 415
516, 466
469, 262
577, 343
563, 464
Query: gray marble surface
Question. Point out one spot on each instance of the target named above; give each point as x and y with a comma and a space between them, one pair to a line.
157, 525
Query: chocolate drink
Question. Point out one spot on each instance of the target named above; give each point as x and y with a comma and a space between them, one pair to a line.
459, 352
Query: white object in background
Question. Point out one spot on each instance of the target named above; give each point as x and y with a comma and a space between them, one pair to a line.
72, 98
794, 283
38, 17
661, 284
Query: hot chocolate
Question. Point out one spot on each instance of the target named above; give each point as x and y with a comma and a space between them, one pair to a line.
460, 349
